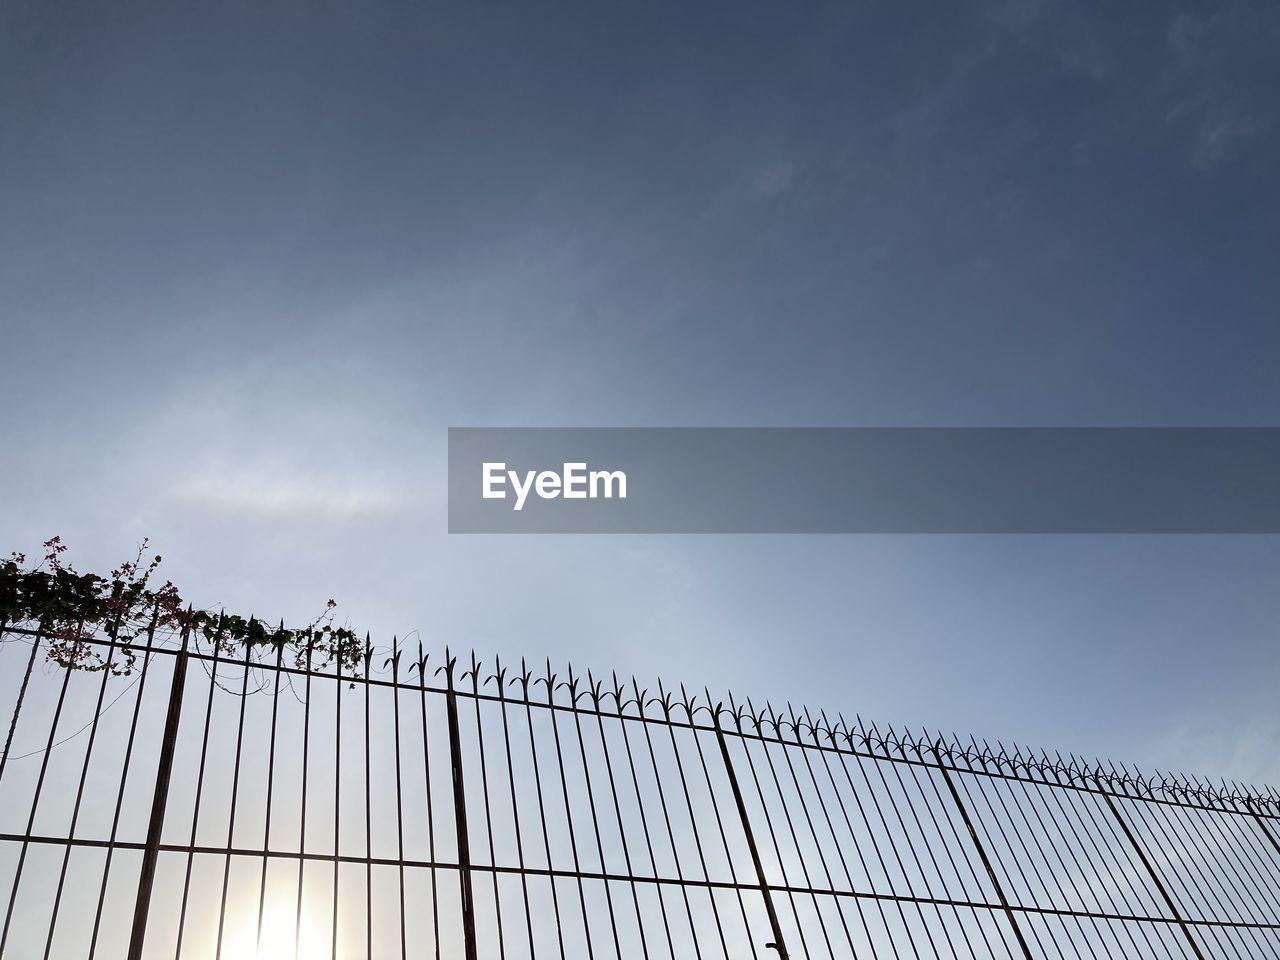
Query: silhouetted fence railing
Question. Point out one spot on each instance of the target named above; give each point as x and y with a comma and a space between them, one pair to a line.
215, 803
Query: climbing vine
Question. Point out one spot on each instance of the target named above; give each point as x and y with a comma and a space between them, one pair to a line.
73, 609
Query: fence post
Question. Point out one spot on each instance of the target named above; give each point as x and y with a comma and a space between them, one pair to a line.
22, 694
982, 854
778, 943
460, 814
146, 878
1257, 818
1115, 812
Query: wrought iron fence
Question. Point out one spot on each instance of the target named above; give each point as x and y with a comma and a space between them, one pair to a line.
236, 804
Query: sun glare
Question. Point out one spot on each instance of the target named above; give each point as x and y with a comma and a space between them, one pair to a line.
278, 926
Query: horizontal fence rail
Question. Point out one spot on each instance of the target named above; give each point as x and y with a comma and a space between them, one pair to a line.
204, 800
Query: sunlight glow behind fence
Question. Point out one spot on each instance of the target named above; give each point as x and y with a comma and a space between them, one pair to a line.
213, 806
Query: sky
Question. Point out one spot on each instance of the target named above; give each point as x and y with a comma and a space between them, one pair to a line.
256, 259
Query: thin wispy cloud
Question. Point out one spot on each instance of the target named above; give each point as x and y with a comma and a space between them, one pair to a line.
1062, 32
774, 180
1222, 71
281, 491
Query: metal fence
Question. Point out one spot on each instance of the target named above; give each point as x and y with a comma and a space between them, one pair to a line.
237, 805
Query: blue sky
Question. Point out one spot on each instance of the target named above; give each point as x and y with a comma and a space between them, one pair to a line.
255, 261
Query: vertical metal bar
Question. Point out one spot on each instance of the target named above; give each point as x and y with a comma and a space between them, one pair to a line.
1102, 855
764, 807
1221, 831
124, 779
885, 758
665, 699
368, 814
715, 809
84, 774
195, 816
1171, 841
617, 812
22, 694
35, 803
460, 817
431, 824
1001, 818
1194, 854
337, 803
395, 709
826, 815
169, 741
791, 828
1222, 825
484, 794
848, 821
1257, 818
644, 820
550, 681
779, 942
1124, 827
995, 849
1087, 815
572, 688
871, 835
271, 779
804, 808
875, 846
982, 853
1041, 828
666, 816
542, 808
235, 797
924, 841
499, 678
933, 809
302, 826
